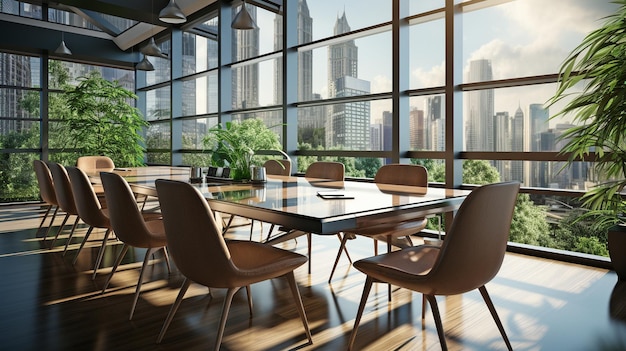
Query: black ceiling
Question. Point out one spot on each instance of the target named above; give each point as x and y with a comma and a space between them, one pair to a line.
110, 45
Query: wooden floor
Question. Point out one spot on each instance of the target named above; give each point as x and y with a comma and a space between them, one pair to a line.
46, 303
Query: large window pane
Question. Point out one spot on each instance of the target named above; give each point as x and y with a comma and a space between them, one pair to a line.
513, 119
427, 123
158, 105
162, 66
358, 125
194, 131
254, 85
527, 37
335, 17
199, 52
353, 67
18, 103
17, 178
427, 50
18, 70
200, 95
158, 136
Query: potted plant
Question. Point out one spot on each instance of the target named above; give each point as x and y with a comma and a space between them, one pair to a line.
599, 112
235, 143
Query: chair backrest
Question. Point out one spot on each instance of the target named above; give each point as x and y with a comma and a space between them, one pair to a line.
95, 162
280, 167
402, 174
86, 200
474, 247
124, 213
193, 239
63, 188
326, 170
46, 185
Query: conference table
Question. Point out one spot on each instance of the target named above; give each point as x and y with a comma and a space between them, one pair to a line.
295, 202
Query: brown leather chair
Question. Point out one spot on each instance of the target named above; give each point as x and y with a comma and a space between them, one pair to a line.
280, 167
87, 163
65, 198
130, 227
47, 193
393, 174
203, 256
322, 171
470, 256
89, 210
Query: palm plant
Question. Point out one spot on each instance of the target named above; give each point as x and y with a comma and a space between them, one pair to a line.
599, 113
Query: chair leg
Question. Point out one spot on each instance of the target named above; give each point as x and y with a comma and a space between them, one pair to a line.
173, 309
69, 238
54, 215
227, 226
60, 230
167, 259
146, 259
82, 244
118, 260
291, 278
249, 293
433, 305
308, 237
43, 219
96, 266
342, 246
359, 314
227, 301
269, 233
423, 311
494, 314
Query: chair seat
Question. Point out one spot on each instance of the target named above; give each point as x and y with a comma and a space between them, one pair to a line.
402, 268
258, 262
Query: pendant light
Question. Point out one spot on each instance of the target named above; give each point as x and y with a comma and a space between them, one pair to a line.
172, 14
243, 20
151, 49
145, 65
63, 49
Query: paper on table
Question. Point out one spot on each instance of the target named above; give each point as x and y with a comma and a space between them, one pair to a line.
334, 195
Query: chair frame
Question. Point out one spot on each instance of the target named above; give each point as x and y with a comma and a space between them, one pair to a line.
47, 193
451, 269
196, 241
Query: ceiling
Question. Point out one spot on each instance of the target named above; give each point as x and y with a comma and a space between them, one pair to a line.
120, 27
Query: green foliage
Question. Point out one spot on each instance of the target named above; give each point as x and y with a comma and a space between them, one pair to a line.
369, 165
16, 169
599, 63
479, 172
529, 224
103, 121
234, 145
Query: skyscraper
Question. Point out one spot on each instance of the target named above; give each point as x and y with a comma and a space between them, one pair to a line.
246, 78
517, 144
538, 124
348, 126
435, 126
305, 59
479, 122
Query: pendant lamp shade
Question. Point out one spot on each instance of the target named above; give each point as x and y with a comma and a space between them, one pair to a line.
172, 14
145, 65
151, 49
243, 20
63, 49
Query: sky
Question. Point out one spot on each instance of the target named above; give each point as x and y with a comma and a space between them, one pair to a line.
519, 37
